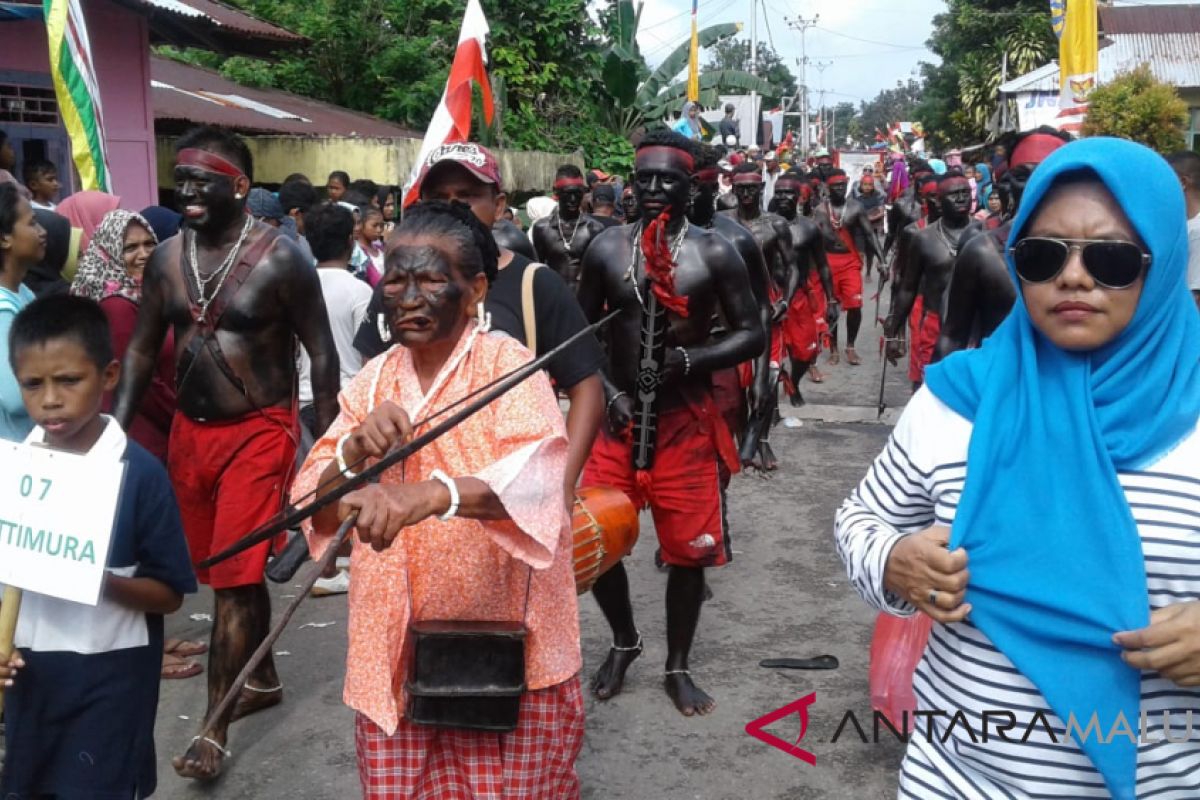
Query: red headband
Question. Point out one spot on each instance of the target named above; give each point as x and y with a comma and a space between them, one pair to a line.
710, 175
928, 187
786, 183
1033, 149
947, 184
566, 183
684, 157
866, 180
207, 161
835, 180
747, 177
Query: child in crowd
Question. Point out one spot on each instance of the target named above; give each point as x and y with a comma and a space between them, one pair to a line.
370, 242
41, 179
81, 690
336, 185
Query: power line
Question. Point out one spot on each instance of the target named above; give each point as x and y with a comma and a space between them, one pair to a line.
867, 41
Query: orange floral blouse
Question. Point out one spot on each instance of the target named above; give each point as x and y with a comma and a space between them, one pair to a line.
460, 569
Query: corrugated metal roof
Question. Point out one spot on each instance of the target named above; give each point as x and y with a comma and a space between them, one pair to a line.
1150, 19
1174, 58
191, 95
212, 25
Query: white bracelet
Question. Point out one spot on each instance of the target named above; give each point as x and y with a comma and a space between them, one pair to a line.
687, 361
341, 458
449, 483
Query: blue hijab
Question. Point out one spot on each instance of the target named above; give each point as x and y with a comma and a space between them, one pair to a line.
983, 184
1055, 557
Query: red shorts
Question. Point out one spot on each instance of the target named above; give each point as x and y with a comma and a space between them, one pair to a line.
230, 477
684, 488
818, 305
800, 335
534, 762
847, 279
923, 332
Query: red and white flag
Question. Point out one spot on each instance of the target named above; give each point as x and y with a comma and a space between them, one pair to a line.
452, 119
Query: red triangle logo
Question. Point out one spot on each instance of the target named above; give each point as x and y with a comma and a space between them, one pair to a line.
799, 707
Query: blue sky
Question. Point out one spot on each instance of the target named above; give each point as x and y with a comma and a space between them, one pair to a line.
864, 45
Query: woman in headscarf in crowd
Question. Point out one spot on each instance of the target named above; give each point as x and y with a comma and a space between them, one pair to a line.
983, 184
689, 121
898, 180
86, 210
46, 277
22, 245
1040, 500
163, 221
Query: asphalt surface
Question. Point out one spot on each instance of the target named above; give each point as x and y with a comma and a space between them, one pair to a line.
785, 595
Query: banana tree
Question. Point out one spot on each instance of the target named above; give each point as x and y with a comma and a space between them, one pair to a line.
638, 95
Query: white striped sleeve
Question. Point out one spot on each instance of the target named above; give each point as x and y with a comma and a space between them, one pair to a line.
898, 496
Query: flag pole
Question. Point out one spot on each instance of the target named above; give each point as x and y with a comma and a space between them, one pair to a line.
10, 607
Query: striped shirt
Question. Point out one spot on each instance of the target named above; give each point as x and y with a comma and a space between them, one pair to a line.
915, 483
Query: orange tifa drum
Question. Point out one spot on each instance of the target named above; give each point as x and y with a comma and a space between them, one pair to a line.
605, 526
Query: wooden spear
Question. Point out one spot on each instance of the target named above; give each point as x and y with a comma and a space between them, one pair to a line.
10, 607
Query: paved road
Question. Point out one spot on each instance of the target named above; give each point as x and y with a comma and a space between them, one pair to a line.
785, 595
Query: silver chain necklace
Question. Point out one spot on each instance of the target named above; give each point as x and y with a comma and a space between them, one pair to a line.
631, 273
562, 234
220, 273
941, 232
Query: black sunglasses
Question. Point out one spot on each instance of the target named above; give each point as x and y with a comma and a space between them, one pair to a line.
1112, 263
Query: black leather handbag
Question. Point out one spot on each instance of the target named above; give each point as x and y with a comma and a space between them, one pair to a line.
467, 674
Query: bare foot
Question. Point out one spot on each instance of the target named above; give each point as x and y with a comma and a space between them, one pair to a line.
203, 760
852, 357
833, 356
174, 667
251, 700
815, 375
610, 678
687, 696
769, 462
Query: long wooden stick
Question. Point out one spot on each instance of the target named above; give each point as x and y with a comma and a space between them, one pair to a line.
10, 607
257, 657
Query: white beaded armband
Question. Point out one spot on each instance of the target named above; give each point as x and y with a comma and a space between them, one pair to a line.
452, 487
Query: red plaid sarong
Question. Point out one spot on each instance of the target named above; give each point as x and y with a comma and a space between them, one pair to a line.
534, 762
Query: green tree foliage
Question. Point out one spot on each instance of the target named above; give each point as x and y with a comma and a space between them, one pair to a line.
974, 38
1135, 105
734, 54
900, 104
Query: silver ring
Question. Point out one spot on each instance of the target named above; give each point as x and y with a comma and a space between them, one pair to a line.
933, 597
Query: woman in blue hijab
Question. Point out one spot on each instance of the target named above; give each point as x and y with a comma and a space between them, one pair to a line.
983, 184
1040, 498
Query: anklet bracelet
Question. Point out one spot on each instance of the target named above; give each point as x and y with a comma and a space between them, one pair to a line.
636, 647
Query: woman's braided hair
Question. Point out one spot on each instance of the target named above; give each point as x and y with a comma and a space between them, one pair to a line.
477, 250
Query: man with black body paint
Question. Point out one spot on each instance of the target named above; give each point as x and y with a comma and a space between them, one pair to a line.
561, 239
664, 431
236, 374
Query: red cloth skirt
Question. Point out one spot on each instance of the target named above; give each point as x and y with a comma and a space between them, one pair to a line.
800, 335
231, 476
534, 762
684, 487
818, 304
923, 331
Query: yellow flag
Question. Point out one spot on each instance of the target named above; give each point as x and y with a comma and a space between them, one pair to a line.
694, 61
1078, 56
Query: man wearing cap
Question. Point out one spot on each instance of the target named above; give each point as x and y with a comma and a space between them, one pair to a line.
561, 239
981, 293
841, 219
238, 295
665, 444
928, 264
771, 174
469, 173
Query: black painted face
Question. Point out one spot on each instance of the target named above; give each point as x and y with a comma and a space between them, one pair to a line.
955, 199
1015, 180
662, 183
629, 204
837, 193
749, 195
570, 198
787, 198
424, 294
704, 199
208, 200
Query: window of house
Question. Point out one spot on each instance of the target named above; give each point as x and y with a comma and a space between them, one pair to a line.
28, 105
1193, 134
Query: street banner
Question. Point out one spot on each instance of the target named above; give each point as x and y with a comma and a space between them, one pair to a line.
1078, 57
693, 89
56, 518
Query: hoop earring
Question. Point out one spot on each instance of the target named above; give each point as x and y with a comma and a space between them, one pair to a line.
385, 330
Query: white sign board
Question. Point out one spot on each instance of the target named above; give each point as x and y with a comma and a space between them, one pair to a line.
57, 512
854, 161
1035, 109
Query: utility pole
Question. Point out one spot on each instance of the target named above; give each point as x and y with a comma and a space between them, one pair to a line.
821, 67
801, 24
754, 70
